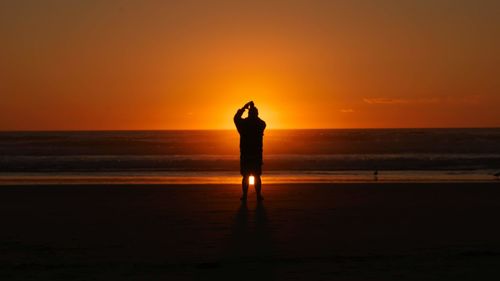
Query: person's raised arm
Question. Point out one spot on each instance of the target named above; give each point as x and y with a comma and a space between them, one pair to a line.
237, 116
239, 113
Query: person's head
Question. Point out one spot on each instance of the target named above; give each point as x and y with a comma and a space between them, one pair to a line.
253, 112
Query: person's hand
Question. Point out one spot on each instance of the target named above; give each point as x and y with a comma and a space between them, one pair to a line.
248, 105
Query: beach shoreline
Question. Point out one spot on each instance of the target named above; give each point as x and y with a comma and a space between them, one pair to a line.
270, 177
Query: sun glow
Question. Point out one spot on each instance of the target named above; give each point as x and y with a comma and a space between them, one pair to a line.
251, 180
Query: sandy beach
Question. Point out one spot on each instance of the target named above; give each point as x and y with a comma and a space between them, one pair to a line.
378, 231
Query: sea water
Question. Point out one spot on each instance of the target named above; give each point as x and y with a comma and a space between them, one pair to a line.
290, 156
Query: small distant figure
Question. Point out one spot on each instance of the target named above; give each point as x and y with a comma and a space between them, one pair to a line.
375, 175
251, 130
497, 175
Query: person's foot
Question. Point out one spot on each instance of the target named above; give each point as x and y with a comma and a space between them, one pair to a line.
260, 198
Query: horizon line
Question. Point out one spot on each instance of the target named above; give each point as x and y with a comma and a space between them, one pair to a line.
270, 129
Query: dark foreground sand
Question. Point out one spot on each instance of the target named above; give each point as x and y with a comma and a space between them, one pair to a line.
301, 232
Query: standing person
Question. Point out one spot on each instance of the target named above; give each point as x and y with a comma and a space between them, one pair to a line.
251, 130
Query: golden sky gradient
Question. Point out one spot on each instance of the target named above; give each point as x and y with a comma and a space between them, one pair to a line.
126, 65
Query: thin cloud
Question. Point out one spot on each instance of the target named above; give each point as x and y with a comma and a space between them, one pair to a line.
347, 110
399, 101
464, 99
467, 99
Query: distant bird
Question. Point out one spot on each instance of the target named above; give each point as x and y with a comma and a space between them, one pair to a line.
497, 175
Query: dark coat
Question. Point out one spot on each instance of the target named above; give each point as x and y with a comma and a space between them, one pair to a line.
251, 132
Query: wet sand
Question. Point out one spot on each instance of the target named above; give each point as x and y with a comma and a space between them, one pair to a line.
378, 231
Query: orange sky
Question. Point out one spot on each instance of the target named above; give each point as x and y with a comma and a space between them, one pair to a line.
84, 65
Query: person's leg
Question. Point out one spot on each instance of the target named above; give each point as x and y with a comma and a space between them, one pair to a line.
258, 187
244, 187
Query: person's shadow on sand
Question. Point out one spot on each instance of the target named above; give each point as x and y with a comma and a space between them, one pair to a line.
251, 240
248, 251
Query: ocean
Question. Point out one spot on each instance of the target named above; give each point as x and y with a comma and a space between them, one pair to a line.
185, 157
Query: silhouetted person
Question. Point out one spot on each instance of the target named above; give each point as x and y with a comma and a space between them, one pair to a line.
251, 130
